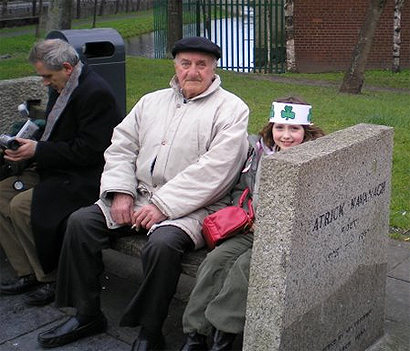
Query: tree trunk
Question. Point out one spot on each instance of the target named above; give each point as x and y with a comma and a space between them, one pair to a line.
33, 7
138, 5
174, 32
354, 77
398, 5
59, 15
3, 7
40, 19
78, 6
101, 8
95, 13
290, 37
207, 19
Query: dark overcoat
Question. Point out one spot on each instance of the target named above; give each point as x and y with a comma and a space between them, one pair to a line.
70, 162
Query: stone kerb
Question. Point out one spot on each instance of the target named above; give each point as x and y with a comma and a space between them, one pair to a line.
318, 270
15, 91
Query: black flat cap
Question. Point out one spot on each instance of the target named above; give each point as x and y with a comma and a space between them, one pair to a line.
200, 44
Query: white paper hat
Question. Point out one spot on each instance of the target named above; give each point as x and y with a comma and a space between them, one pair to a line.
288, 113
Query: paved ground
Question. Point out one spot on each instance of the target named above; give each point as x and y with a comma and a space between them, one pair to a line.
20, 324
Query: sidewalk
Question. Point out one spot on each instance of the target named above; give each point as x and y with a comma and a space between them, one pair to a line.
20, 324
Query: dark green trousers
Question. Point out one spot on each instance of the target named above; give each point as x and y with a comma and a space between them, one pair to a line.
219, 297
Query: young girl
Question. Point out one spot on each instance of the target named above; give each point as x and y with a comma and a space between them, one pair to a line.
218, 301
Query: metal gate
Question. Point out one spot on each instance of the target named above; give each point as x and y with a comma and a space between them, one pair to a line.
250, 33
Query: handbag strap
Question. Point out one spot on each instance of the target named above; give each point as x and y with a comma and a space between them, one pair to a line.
245, 193
251, 212
243, 197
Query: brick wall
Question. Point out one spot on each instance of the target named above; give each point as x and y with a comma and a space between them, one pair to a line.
327, 31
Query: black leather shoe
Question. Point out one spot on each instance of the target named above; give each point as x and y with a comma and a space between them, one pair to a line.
144, 342
19, 285
222, 341
195, 342
43, 295
72, 330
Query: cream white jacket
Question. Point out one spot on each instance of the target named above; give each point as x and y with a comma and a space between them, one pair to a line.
184, 156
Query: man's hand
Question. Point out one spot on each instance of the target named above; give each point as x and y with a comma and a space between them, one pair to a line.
147, 216
122, 208
25, 151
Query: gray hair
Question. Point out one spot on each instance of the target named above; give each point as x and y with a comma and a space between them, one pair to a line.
53, 53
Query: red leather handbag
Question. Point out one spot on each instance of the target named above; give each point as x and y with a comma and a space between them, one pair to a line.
227, 222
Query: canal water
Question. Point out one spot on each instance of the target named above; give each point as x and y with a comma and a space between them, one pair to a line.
142, 45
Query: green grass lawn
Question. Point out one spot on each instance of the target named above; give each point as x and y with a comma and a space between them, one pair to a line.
332, 110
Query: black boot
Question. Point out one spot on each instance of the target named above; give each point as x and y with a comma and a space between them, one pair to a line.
147, 341
42, 296
222, 341
19, 285
194, 342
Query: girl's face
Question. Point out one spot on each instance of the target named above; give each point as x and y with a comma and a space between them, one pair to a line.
287, 135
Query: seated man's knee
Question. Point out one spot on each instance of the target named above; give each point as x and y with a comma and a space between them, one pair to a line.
218, 258
20, 206
168, 239
244, 261
76, 219
79, 224
157, 242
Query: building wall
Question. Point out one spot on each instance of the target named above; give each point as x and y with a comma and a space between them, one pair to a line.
326, 32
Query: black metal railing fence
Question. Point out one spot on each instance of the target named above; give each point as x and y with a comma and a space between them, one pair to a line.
251, 33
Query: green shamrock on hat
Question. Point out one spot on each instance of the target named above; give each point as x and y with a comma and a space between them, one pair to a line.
287, 113
272, 112
309, 117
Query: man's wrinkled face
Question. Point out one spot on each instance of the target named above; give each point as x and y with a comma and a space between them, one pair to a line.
55, 79
195, 72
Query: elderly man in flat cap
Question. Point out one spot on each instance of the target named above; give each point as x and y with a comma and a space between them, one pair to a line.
172, 161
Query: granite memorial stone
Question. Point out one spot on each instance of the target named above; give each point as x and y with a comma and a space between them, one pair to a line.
318, 269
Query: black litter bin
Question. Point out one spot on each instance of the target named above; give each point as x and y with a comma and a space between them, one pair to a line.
103, 50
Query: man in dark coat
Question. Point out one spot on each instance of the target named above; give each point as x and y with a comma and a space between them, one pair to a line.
63, 171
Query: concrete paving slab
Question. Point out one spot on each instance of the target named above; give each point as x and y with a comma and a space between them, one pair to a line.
16, 318
397, 301
401, 271
397, 252
396, 338
397, 308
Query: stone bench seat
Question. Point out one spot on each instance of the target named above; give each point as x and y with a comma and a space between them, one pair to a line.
132, 246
